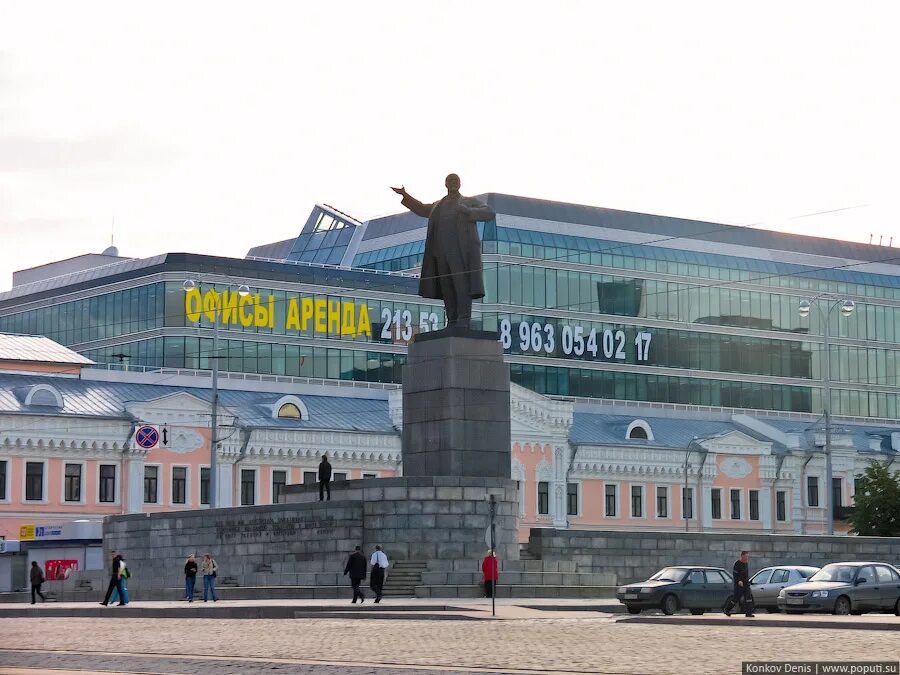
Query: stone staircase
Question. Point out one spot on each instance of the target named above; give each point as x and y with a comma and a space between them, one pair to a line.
525, 553
403, 577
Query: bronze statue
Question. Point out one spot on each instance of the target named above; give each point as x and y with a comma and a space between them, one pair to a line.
451, 268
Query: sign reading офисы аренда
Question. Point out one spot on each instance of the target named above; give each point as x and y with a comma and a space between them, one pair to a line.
352, 320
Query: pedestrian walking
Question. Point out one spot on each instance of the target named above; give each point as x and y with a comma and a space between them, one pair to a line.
490, 570
210, 570
190, 578
324, 478
356, 568
741, 593
37, 578
115, 581
126, 575
379, 563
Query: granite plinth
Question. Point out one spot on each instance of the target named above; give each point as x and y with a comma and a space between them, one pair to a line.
456, 407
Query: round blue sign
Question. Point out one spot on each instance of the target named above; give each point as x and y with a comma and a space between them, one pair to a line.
146, 437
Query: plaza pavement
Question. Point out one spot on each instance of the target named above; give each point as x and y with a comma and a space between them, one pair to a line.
525, 639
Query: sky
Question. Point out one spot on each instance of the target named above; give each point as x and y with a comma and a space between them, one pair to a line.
214, 127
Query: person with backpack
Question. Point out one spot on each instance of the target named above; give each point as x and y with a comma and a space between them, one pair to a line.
210, 570
126, 574
37, 578
115, 581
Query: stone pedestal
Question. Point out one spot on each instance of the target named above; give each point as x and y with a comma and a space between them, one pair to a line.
456, 406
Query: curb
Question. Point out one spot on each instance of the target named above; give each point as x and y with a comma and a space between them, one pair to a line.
767, 622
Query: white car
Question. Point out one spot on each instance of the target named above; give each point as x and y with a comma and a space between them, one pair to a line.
766, 584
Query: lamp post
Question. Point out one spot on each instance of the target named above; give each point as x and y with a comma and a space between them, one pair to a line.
847, 307
243, 291
695, 502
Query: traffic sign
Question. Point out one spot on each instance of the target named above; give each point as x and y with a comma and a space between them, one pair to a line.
146, 437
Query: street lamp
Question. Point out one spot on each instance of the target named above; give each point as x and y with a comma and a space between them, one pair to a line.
695, 503
847, 308
243, 291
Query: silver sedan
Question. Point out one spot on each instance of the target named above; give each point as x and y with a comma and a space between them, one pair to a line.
768, 582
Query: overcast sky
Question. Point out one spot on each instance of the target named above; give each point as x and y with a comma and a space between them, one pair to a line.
215, 127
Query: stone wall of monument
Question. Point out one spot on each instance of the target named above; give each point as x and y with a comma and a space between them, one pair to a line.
310, 537
633, 556
427, 518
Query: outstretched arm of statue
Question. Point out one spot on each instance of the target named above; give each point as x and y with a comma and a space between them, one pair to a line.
413, 204
475, 210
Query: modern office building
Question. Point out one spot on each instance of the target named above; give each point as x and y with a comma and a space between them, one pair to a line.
637, 340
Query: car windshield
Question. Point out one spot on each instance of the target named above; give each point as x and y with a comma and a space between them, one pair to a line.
669, 574
842, 573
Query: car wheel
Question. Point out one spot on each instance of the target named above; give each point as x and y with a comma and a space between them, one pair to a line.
841, 606
897, 607
632, 609
669, 605
697, 612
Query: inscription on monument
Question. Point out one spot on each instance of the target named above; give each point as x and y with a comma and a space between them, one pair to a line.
252, 529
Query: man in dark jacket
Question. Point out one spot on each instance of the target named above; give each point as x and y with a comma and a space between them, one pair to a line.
356, 568
741, 592
37, 578
324, 478
115, 581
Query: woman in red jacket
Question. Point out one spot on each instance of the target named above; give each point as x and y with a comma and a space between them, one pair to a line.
491, 572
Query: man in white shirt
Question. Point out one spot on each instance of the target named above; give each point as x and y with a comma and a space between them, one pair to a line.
379, 564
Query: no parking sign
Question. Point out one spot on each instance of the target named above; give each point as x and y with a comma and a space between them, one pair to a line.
146, 437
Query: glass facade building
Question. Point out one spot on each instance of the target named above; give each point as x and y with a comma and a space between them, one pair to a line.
585, 301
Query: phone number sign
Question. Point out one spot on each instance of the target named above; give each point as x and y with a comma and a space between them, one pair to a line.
574, 341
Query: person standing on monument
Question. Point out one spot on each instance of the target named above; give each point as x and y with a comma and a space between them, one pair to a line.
356, 568
451, 267
324, 478
190, 577
379, 563
490, 570
37, 578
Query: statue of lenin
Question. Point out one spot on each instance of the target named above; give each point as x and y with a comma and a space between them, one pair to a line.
451, 268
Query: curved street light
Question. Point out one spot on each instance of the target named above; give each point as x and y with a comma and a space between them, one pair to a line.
243, 290
847, 306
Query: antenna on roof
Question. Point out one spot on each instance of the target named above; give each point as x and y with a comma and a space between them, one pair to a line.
870, 237
880, 237
891, 241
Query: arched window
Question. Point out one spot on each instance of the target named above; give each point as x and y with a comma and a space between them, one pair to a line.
290, 410
44, 395
639, 430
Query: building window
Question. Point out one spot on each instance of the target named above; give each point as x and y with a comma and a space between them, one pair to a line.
543, 498
637, 501
375, 475
735, 504
837, 493
248, 487
4, 472
638, 433
107, 483
572, 499
290, 411
715, 503
611, 501
754, 504
34, 481
151, 478
781, 505
310, 477
687, 503
73, 483
204, 485
812, 491
279, 480
179, 484
339, 475
662, 502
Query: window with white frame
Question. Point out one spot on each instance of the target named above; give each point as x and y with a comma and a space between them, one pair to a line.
715, 503
179, 484
34, 481
543, 498
151, 484
781, 505
812, 490
572, 499
687, 503
662, 501
248, 487
73, 478
611, 499
204, 485
107, 486
735, 500
754, 504
4, 478
279, 480
637, 501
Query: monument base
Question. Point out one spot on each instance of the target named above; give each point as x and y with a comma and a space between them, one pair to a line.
456, 406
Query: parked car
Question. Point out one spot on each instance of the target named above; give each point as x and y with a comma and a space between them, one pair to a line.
846, 588
766, 584
698, 589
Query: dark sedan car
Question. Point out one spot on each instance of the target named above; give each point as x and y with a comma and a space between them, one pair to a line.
698, 589
846, 588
